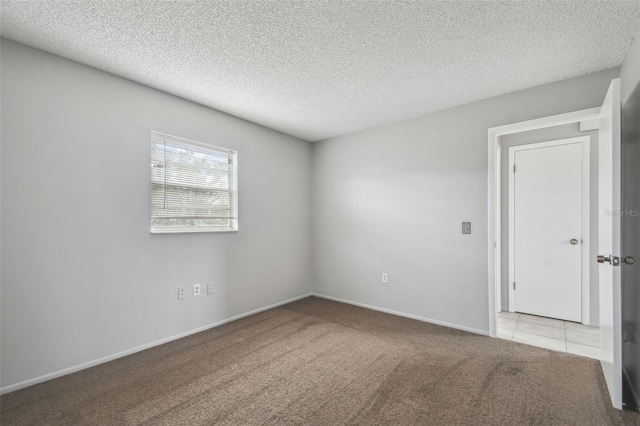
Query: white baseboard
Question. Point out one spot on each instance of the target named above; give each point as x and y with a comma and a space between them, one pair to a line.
402, 314
69, 370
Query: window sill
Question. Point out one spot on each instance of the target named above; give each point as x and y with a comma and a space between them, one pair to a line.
188, 230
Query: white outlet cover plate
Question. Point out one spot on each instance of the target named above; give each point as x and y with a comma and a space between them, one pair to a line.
196, 290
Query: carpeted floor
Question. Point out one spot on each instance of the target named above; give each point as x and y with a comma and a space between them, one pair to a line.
317, 362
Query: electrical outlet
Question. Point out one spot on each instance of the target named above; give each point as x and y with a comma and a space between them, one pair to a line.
210, 288
181, 294
385, 277
196, 290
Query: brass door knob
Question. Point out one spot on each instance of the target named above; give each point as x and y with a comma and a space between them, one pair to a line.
574, 242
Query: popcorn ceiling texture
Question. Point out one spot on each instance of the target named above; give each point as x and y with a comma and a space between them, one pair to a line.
320, 69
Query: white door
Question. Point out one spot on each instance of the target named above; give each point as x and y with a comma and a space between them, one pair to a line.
609, 233
547, 228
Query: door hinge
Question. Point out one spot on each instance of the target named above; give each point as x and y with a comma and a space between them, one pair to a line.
514, 285
514, 168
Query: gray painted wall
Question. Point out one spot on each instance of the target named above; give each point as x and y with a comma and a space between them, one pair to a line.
630, 70
542, 135
391, 199
82, 277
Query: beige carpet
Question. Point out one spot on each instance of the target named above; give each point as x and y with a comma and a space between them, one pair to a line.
317, 362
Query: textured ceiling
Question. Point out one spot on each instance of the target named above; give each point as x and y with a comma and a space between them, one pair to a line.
318, 69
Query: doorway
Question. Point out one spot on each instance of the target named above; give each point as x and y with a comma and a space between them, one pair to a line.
542, 322
498, 276
580, 335
607, 120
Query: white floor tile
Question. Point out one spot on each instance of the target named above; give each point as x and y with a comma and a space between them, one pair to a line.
540, 341
540, 330
583, 350
505, 333
507, 314
541, 320
549, 333
583, 338
581, 327
507, 323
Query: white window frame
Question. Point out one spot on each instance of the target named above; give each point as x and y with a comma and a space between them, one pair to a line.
198, 220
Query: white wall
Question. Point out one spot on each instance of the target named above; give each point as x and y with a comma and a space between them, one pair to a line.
392, 199
82, 277
541, 135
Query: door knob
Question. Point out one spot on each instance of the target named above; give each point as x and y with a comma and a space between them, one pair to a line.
628, 260
574, 242
602, 259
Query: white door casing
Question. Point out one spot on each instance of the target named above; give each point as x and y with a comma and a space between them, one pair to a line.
494, 277
549, 207
609, 243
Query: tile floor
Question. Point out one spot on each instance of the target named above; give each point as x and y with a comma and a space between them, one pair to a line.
557, 335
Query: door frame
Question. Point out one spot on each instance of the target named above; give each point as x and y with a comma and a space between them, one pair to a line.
585, 141
586, 118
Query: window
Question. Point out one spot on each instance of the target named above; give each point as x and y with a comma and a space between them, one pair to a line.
193, 186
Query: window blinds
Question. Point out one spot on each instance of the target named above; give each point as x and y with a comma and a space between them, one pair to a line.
193, 186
